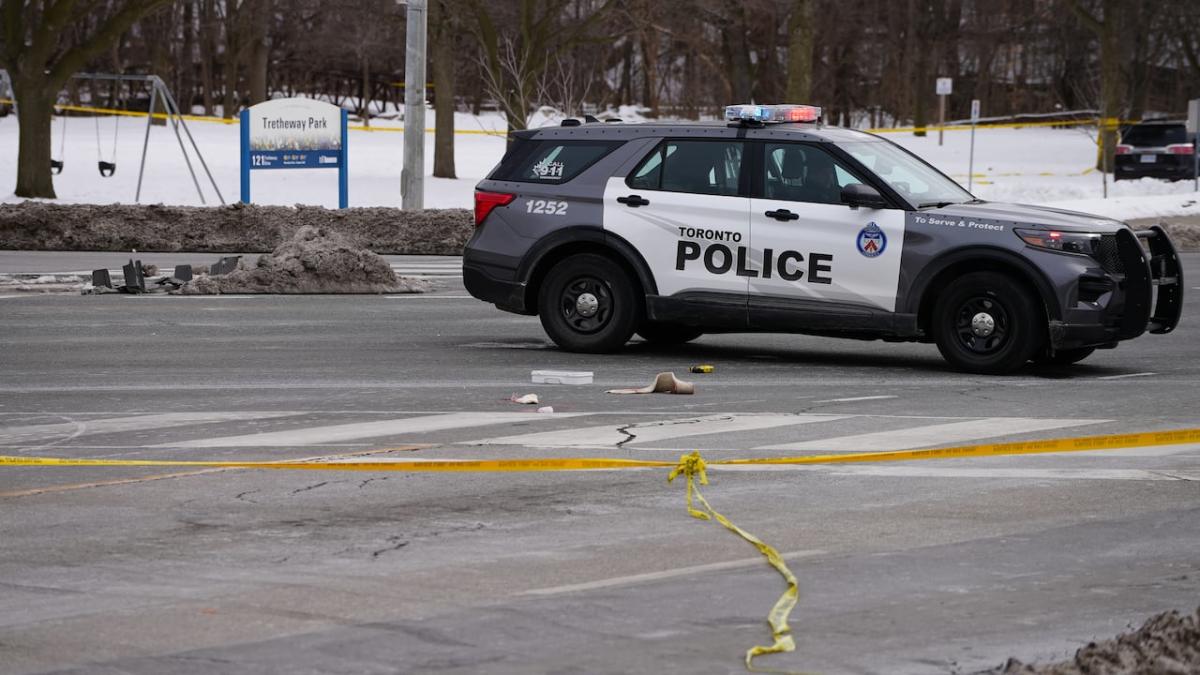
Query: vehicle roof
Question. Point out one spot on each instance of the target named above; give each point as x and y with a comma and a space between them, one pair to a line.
717, 129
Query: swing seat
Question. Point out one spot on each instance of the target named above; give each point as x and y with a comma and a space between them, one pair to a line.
107, 168
56, 166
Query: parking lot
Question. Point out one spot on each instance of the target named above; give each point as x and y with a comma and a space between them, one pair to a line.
949, 566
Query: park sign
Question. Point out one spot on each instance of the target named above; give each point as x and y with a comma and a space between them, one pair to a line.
294, 133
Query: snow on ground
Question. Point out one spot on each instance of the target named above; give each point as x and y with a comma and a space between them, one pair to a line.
1033, 166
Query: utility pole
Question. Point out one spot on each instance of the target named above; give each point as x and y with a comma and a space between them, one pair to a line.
412, 177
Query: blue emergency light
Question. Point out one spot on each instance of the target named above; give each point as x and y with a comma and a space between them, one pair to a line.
766, 114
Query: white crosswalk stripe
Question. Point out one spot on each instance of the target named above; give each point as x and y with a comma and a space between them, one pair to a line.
656, 431
931, 435
449, 266
337, 433
81, 427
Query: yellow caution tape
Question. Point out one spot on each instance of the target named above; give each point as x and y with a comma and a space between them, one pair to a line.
1078, 444
693, 468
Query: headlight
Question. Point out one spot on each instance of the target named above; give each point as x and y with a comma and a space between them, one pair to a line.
1066, 242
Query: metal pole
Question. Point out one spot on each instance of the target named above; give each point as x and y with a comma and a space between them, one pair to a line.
1103, 157
137, 196
174, 119
183, 123
412, 177
971, 162
941, 118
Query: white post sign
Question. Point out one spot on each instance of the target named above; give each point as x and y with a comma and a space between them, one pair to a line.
945, 86
294, 133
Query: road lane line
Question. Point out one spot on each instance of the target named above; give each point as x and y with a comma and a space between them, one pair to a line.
633, 579
612, 435
1121, 377
932, 435
338, 433
420, 296
855, 398
13, 435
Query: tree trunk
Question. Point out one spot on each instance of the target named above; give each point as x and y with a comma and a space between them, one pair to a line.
364, 98
208, 51
259, 52
443, 90
1111, 86
800, 52
36, 100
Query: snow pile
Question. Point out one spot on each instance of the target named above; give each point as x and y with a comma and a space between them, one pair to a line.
315, 260
1167, 644
35, 225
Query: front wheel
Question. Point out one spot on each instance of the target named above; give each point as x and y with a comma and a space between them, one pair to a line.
588, 303
987, 322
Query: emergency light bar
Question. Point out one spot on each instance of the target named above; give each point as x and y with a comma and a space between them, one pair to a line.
765, 114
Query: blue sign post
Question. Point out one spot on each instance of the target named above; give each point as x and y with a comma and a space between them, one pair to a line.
295, 133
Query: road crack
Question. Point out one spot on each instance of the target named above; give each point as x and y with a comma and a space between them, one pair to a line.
242, 496
397, 544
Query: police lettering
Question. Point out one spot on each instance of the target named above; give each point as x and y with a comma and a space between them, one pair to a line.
788, 265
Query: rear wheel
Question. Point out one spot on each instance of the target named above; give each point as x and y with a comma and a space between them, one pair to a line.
588, 303
987, 322
1065, 357
659, 333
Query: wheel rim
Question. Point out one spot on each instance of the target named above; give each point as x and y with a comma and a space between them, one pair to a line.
586, 304
982, 325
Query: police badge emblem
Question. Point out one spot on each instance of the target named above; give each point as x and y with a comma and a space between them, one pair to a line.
871, 241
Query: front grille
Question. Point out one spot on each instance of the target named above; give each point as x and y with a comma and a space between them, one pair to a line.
1105, 253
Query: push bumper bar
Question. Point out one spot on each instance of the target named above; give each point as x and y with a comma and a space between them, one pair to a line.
1153, 282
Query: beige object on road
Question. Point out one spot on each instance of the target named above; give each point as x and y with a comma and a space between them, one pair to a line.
664, 383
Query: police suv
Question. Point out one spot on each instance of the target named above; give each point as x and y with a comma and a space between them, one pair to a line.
771, 221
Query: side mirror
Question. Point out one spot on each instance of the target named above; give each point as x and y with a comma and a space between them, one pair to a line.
857, 194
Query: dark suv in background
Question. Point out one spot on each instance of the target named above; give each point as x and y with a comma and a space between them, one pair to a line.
1157, 149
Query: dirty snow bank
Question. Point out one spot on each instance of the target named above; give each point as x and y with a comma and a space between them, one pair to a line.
314, 260
35, 225
1167, 644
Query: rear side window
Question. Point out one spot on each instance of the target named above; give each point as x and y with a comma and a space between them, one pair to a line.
698, 167
1155, 135
551, 161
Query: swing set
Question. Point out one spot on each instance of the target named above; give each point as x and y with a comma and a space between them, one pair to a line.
160, 97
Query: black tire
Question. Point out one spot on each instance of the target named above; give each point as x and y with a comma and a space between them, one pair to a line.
658, 333
1065, 357
989, 323
615, 304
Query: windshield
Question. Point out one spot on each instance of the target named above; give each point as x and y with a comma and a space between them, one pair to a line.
915, 180
1154, 135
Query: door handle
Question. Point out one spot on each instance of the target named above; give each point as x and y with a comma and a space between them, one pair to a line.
633, 200
782, 214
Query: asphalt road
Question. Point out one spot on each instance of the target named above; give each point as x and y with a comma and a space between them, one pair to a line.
933, 567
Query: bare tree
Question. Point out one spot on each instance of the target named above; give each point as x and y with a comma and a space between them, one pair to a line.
44, 44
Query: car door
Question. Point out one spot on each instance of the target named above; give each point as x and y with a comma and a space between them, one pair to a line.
818, 258
685, 207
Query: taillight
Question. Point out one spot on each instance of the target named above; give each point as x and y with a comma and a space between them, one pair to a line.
1124, 149
1181, 149
486, 201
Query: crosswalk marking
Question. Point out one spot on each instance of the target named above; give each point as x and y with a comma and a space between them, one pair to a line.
932, 434
131, 423
446, 267
348, 432
610, 435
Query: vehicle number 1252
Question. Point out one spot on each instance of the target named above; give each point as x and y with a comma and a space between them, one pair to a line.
550, 208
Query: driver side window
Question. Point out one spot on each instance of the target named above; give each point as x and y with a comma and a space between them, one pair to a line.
798, 172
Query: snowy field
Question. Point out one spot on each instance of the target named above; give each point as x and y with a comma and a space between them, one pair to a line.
1033, 166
